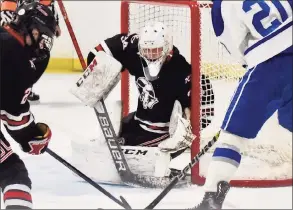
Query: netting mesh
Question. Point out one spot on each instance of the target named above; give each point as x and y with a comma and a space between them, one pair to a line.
266, 157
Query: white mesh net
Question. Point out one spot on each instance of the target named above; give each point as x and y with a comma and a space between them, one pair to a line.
269, 156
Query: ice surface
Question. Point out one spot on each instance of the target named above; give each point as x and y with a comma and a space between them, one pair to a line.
54, 186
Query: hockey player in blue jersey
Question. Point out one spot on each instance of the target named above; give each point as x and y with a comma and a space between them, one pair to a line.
259, 33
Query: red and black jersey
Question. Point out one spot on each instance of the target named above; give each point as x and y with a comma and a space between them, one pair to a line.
17, 75
11, 5
156, 98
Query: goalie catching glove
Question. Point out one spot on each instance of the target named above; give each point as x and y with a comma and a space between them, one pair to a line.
181, 135
39, 143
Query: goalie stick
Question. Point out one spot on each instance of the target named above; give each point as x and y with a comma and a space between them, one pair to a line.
183, 173
126, 175
124, 203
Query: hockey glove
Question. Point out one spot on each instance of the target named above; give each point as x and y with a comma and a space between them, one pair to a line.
180, 139
39, 143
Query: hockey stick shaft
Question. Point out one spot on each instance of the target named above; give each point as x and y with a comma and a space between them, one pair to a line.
78, 51
111, 138
183, 173
86, 178
83, 64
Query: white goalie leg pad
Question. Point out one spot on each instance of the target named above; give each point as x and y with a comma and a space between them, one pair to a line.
223, 168
180, 132
162, 164
99, 78
180, 161
114, 109
85, 150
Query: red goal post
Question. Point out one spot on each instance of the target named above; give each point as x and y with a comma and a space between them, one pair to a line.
191, 26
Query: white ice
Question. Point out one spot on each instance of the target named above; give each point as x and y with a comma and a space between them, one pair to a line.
54, 186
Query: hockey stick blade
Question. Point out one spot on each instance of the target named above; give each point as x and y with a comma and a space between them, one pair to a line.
183, 173
123, 203
126, 175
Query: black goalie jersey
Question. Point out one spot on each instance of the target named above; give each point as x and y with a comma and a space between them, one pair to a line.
156, 98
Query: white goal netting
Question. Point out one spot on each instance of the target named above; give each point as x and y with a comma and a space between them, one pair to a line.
269, 157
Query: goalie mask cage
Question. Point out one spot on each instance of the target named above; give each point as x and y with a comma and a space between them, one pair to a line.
264, 163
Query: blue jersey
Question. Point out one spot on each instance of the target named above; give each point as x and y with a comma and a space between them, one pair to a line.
253, 30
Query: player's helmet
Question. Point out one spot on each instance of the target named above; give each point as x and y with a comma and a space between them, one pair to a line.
30, 16
155, 44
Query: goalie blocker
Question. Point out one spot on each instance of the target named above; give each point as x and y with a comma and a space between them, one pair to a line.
99, 78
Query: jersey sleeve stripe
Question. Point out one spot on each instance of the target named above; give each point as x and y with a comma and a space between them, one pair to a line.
17, 194
99, 48
24, 120
155, 141
18, 187
106, 48
16, 122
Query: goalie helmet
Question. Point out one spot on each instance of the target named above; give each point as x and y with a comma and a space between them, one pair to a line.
155, 44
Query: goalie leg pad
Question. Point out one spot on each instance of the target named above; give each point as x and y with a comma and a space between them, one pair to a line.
162, 164
81, 146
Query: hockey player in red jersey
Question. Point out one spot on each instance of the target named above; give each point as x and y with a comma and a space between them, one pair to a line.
162, 76
7, 14
8, 7
25, 53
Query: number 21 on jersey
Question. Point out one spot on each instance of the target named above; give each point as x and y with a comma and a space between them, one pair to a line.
268, 15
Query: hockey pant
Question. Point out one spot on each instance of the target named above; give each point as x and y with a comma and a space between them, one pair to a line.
134, 135
263, 90
14, 180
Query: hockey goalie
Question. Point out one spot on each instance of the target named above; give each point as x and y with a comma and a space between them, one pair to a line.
161, 121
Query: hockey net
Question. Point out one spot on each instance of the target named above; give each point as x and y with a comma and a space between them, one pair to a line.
268, 159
